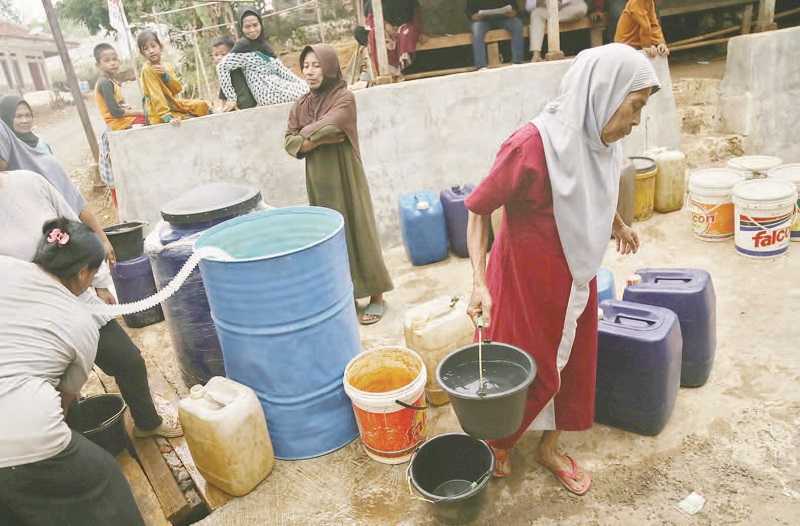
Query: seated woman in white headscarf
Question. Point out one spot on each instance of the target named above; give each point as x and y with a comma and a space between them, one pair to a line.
558, 179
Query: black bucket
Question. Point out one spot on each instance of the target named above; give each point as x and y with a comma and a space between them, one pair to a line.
451, 472
127, 239
498, 413
100, 419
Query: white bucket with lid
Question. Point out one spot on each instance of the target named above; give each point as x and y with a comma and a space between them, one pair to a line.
711, 202
764, 216
790, 173
754, 166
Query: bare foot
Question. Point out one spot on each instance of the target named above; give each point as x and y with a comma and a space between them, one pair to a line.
502, 462
566, 471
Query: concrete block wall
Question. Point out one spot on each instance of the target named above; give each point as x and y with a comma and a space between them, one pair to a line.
760, 92
426, 134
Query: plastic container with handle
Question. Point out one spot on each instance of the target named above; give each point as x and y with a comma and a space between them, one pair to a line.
227, 435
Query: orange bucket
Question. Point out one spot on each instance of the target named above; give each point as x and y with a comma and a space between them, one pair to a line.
387, 388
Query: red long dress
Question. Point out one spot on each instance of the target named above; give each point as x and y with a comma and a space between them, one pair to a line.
532, 291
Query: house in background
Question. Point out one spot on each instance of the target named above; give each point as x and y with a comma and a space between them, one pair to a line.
22, 59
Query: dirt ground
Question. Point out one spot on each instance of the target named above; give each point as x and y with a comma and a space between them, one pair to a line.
736, 440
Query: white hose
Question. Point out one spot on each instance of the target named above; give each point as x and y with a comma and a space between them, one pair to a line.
164, 294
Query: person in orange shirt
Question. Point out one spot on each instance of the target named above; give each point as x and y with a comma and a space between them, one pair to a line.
639, 27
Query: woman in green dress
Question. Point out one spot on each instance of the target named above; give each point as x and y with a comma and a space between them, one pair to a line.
322, 130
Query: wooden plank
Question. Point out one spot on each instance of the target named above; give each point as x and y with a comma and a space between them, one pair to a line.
213, 498
438, 73
172, 500
695, 45
93, 385
109, 383
142, 491
499, 35
683, 7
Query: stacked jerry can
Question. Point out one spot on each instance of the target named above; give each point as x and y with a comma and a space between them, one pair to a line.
433, 225
660, 337
638, 366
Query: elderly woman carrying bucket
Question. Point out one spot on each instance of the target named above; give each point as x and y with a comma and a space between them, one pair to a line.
558, 178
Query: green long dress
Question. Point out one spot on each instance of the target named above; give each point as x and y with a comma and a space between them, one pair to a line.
335, 179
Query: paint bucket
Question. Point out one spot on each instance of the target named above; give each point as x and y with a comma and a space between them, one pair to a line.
645, 187
507, 371
127, 239
100, 419
711, 202
791, 173
764, 216
451, 472
754, 166
387, 388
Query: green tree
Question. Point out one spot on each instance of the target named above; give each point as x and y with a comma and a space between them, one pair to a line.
94, 13
9, 12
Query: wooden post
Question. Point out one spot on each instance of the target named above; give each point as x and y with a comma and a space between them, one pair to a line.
553, 32
359, 12
766, 16
72, 79
747, 19
319, 23
380, 42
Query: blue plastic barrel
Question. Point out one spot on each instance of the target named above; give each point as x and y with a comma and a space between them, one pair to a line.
638, 366
689, 293
423, 227
286, 319
456, 216
133, 281
605, 285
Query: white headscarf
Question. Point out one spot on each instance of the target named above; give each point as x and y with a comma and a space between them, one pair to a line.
584, 172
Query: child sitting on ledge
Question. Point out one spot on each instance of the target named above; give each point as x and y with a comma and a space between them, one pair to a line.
160, 86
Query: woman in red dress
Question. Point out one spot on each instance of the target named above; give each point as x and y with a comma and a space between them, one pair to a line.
558, 179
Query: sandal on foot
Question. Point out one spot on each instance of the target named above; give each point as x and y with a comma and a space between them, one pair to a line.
569, 478
502, 463
373, 313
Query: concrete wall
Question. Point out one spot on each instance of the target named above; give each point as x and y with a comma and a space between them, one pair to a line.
760, 94
426, 134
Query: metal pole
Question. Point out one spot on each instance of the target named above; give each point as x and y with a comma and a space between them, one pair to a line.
319, 23
380, 39
72, 80
553, 32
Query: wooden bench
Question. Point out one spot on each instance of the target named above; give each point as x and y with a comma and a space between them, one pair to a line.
493, 39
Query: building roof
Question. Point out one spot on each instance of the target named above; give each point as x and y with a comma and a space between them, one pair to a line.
9, 30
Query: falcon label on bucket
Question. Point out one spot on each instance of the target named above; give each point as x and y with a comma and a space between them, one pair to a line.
764, 214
